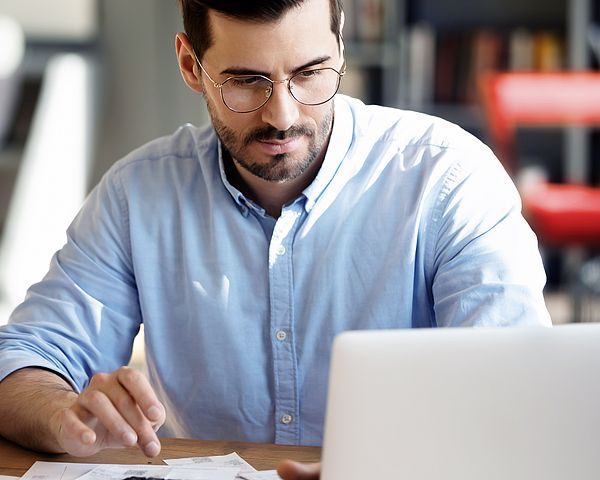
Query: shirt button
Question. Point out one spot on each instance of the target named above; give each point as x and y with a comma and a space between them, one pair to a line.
287, 419
280, 250
281, 335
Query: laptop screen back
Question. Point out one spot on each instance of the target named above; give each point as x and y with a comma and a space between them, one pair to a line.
464, 403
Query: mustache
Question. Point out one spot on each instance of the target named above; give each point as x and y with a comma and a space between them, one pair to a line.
270, 133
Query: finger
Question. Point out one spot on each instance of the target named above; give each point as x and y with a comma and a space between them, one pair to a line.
118, 413
109, 413
140, 389
149, 413
290, 470
125, 408
73, 435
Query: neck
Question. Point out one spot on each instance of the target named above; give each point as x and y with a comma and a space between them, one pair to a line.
271, 196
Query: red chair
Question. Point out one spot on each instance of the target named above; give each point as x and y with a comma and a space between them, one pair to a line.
562, 215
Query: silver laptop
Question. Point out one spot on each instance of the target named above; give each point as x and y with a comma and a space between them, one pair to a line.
465, 403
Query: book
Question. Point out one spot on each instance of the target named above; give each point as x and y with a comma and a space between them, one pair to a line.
447, 48
486, 56
548, 52
520, 50
349, 31
369, 16
421, 65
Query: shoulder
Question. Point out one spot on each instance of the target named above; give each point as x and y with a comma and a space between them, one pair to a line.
188, 150
416, 141
408, 129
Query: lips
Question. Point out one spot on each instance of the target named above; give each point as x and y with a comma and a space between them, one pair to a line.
278, 147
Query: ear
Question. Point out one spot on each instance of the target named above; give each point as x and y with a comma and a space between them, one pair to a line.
188, 66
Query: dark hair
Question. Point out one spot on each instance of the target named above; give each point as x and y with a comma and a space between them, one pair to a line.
197, 25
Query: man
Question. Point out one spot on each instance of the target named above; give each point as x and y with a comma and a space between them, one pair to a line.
245, 247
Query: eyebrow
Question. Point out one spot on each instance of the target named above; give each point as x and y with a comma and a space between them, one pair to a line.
247, 71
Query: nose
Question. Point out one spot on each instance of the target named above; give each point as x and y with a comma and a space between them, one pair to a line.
281, 111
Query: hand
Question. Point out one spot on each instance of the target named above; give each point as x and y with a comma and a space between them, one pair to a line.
289, 470
117, 409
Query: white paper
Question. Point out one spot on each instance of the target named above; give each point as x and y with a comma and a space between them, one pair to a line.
167, 472
6, 477
230, 460
57, 471
262, 475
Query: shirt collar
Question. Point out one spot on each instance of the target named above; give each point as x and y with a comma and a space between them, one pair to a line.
243, 203
339, 144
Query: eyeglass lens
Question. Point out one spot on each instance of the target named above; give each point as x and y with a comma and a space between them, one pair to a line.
310, 87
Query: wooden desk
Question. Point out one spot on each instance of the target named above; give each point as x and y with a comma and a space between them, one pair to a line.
16, 461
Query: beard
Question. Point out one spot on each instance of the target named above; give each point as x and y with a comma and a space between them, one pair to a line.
281, 167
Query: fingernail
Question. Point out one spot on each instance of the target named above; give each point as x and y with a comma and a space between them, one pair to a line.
88, 438
129, 438
154, 412
152, 449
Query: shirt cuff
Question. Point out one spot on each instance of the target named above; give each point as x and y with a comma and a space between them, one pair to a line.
11, 361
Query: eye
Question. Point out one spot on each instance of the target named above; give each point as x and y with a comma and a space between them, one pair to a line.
308, 73
250, 81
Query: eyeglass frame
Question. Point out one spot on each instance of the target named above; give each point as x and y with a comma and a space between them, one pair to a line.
218, 85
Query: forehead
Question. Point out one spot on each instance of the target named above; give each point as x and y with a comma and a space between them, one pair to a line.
301, 34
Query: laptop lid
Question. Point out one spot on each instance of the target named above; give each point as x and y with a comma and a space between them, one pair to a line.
464, 403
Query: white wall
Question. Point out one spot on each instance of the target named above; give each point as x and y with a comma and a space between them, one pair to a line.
145, 96
141, 96
52, 176
62, 20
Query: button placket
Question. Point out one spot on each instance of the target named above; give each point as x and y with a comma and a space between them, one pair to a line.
284, 354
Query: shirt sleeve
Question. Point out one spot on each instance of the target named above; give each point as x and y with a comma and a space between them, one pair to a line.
82, 317
487, 269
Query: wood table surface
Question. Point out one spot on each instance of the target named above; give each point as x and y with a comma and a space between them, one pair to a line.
15, 461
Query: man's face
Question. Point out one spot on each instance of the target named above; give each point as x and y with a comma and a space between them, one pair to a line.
279, 141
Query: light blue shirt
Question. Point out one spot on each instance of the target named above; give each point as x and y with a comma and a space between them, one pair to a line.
410, 222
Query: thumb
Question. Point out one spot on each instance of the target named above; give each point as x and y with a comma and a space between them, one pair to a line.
290, 470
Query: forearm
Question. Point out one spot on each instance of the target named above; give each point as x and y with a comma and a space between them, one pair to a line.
30, 398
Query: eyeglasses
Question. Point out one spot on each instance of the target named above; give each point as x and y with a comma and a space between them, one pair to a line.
247, 93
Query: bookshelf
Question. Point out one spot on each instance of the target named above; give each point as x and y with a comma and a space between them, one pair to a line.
426, 54
401, 44
371, 35
468, 38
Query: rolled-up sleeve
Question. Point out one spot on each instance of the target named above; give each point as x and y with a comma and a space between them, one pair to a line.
82, 317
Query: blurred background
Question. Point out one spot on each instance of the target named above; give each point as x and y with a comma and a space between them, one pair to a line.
83, 82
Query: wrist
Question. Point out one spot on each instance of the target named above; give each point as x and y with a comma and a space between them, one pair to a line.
57, 416
31, 398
